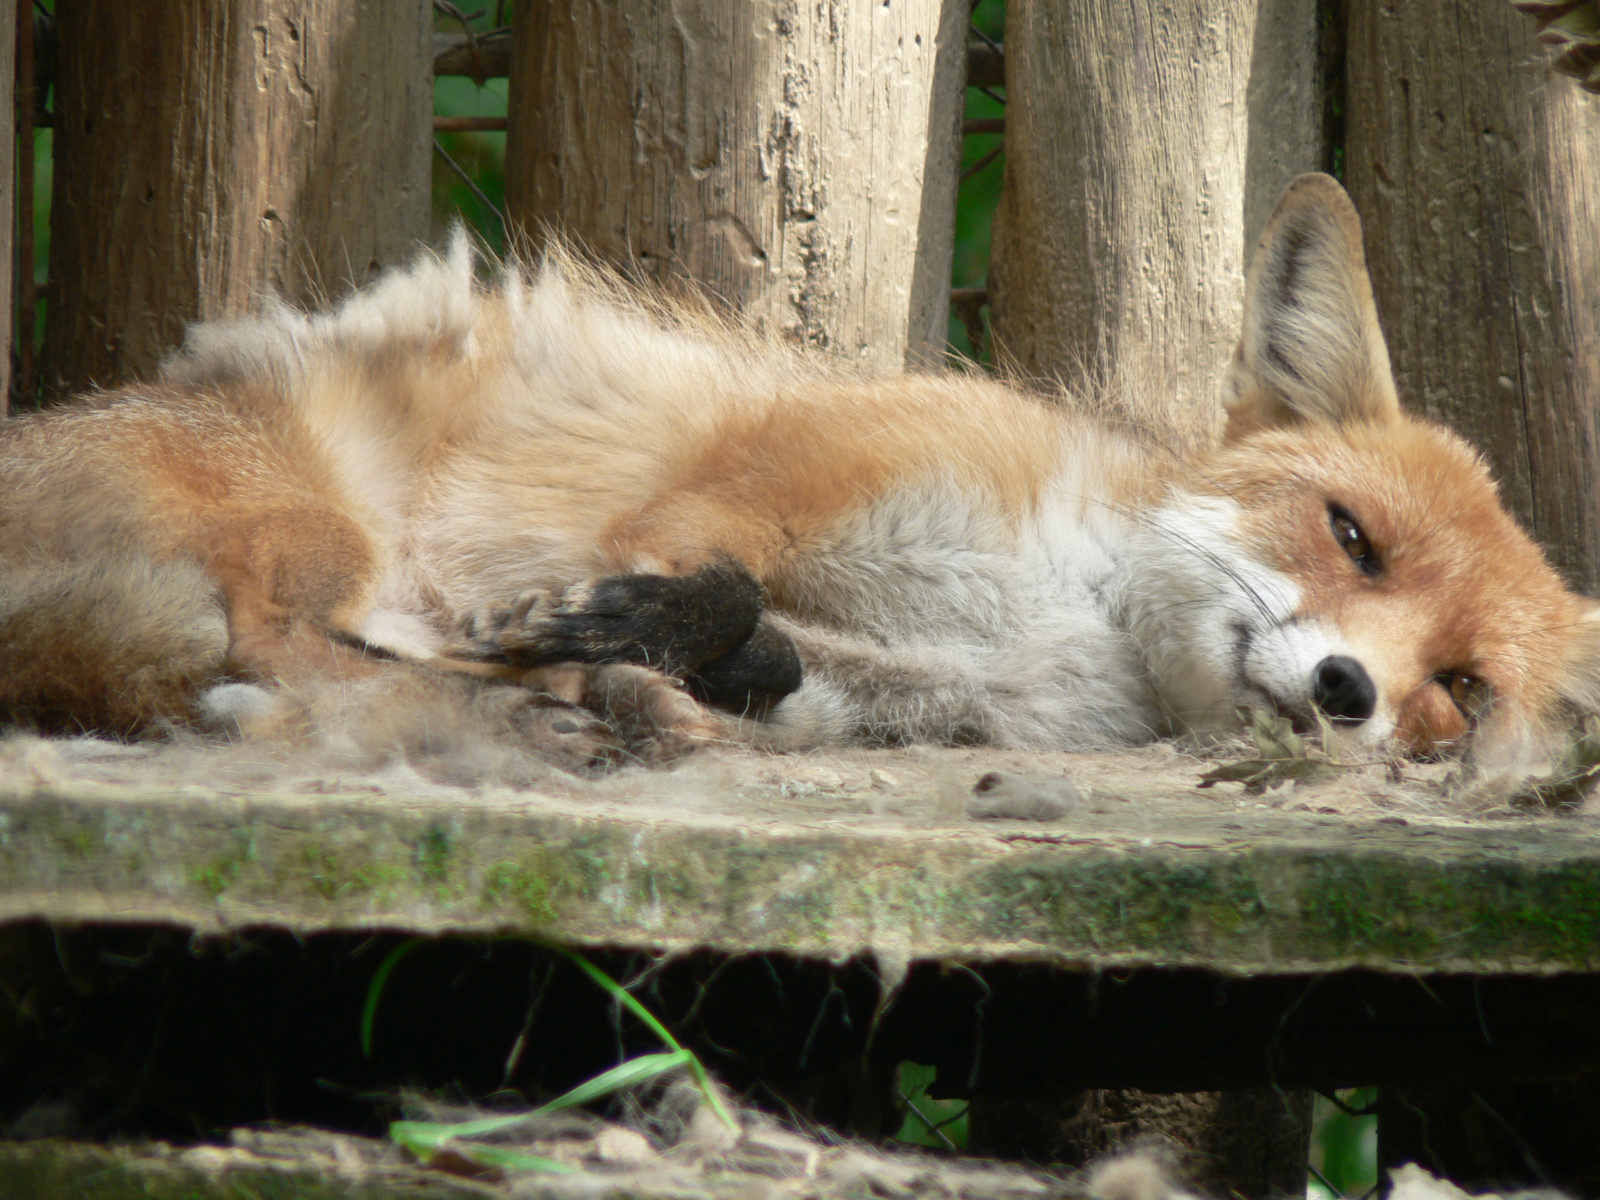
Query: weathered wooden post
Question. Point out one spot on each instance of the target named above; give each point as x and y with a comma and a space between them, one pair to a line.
209, 152
1145, 145
798, 160
1477, 173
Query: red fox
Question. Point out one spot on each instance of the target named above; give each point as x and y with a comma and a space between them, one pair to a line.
587, 500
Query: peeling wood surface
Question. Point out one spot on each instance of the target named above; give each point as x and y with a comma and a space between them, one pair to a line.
820, 858
1480, 196
798, 160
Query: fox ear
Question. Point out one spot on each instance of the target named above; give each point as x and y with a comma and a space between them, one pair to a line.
1311, 349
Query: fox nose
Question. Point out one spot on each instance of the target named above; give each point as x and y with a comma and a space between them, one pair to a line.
1342, 688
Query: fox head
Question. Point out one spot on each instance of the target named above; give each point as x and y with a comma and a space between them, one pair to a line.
1340, 555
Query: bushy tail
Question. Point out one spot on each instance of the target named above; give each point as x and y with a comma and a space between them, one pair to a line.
112, 645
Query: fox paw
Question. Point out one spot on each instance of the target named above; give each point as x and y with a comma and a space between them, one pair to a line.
645, 716
671, 622
567, 735
707, 628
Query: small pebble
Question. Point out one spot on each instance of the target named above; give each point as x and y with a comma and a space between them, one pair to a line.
1012, 798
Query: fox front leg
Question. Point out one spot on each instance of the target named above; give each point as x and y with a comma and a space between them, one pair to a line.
706, 628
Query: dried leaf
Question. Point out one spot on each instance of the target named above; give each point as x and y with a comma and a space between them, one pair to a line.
1274, 736
1283, 754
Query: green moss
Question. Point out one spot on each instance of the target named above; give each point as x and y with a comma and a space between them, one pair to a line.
77, 841
323, 871
1124, 903
1400, 908
522, 885
215, 878
218, 875
431, 856
1323, 898
338, 873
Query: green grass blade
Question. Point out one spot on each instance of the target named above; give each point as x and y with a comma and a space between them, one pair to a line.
636, 1070
433, 1134
624, 997
697, 1072
369, 1010
512, 1160
424, 1139
419, 1136
621, 995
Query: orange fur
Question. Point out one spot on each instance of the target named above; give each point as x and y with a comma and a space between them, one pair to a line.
1463, 589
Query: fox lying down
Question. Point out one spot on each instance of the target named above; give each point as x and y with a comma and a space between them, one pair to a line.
644, 527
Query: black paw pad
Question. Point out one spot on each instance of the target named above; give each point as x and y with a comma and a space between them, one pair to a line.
751, 677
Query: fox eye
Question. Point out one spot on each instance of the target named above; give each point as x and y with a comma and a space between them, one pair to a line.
1471, 694
1352, 540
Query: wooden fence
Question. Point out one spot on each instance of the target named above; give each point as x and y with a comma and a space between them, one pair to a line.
800, 161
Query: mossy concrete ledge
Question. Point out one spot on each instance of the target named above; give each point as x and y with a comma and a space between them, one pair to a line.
1262, 892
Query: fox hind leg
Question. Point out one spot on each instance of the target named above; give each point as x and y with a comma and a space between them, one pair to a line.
647, 716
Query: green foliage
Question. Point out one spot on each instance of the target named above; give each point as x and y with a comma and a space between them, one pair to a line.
482, 155
427, 1140
1344, 1146
937, 1124
980, 189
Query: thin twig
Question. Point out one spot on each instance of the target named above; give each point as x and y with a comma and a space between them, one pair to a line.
469, 124
450, 10
935, 1128
470, 182
1324, 1181
481, 58
982, 162
1348, 1110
